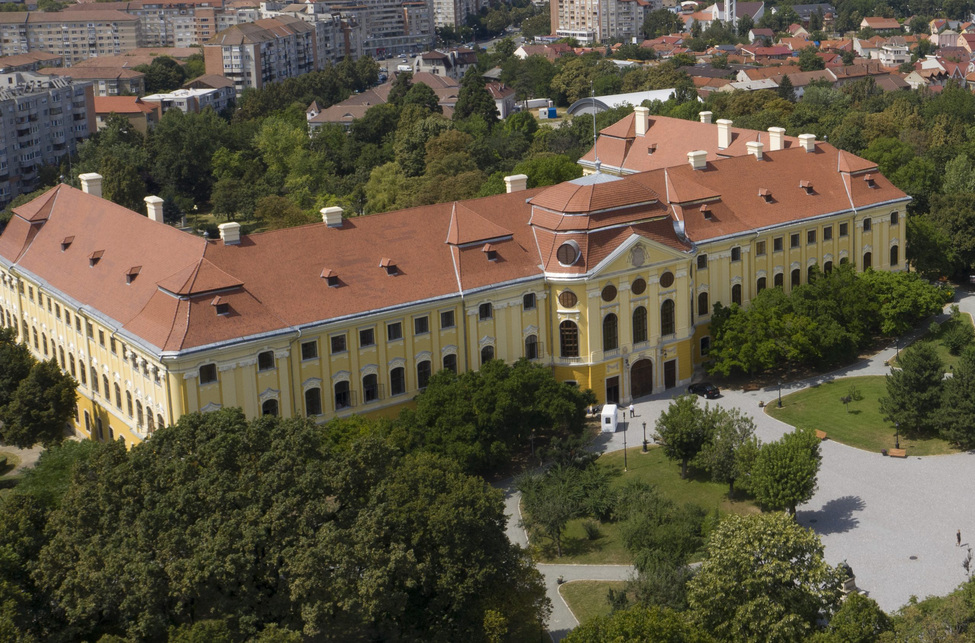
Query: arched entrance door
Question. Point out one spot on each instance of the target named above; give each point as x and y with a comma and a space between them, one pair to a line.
641, 377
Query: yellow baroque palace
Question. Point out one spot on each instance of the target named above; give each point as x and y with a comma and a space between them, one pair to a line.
607, 279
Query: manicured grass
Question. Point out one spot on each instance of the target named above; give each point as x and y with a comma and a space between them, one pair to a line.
819, 407
937, 339
652, 467
587, 598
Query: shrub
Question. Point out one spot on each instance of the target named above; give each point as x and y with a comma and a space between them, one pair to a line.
591, 528
958, 337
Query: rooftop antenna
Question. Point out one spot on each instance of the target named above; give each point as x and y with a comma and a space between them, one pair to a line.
595, 150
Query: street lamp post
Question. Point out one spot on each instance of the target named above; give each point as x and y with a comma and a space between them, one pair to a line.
625, 427
644, 437
897, 435
780, 394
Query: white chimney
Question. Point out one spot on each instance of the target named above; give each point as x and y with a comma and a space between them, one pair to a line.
706, 117
724, 133
642, 119
776, 139
230, 233
91, 183
698, 159
332, 216
154, 208
808, 142
516, 183
755, 148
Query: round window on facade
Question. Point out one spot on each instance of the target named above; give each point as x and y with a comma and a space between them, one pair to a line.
609, 293
568, 253
568, 299
667, 280
638, 287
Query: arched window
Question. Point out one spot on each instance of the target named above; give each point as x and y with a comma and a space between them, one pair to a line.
71, 367
531, 347
370, 388
736, 294
610, 332
106, 389
423, 371
36, 345
397, 381
702, 305
138, 414
760, 284
151, 423
827, 267
844, 260
867, 263
118, 396
313, 398
778, 280
894, 255
128, 402
61, 357
796, 277
450, 362
160, 422
569, 339
44, 343
667, 326
84, 374
639, 325
487, 354
270, 407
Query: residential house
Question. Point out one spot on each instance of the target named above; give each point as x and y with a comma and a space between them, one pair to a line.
105, 81
452, 63
894, 52
504, 98
141, 115
881, 25
33, 61
758, 54
763, 36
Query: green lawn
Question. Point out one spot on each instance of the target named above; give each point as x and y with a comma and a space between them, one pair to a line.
652, 467
819, 407
7, 479
587, 598
936, 338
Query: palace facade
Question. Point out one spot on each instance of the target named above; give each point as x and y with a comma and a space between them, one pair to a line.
609, 280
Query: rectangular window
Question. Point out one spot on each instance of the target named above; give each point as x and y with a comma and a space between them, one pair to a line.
828, 233
421, 325
309, 350
777, 244
794, 240
447, 319
702, 262
894, 218
367, 337
394, 331
844, 229
810, 236
338, 344
528, 301
101, 338
736, 254
867, 225
485, 311
112, 344
760, 248
208, 373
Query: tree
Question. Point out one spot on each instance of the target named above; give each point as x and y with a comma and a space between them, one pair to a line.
535, 26
163, 74
661, 22
40, 408
548, 169
474, 100
15, 364
858, 620
402, 84
784, 474
421, 94
729, 454
786, 90
914, 390
684, 428
639, 624
211, 521
809, 61
122, 184
550, 501
951, 214
763, 579
929, 248
279, 212
956, 416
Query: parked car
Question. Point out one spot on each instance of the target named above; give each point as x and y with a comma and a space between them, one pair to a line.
707, 389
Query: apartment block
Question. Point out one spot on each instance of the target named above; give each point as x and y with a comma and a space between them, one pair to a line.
74, 37
389, 28
266, 51
454, 13
43, 120
114, 80
591, 21
336, 38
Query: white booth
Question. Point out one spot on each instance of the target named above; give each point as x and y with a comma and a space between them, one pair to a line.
610, 418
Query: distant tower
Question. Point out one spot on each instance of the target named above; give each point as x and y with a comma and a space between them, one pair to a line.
730, 11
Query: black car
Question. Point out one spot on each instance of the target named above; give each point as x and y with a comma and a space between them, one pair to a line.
706, 389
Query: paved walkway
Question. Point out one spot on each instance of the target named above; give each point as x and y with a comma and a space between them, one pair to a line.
892, 520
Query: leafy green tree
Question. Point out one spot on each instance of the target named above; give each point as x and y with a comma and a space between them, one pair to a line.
122, 184
639, 624
182, 147
550, 500
951, 215
389, 188
661, 22
784, 473
279, 212
15, 364
660, 581
786, 90
914, 391
548, 169
473, 100
652, 526
163, 74
763, 579
211, 521
40, 408
809, 61
955, 418
904, 299
684, 428
929, 248
402, 84
858, 620
422, 95
729, 454
535, 26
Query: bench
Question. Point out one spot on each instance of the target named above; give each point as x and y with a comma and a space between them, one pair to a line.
821, 435
897, 453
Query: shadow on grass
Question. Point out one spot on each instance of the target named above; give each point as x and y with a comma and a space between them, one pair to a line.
9, 483
836, 516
